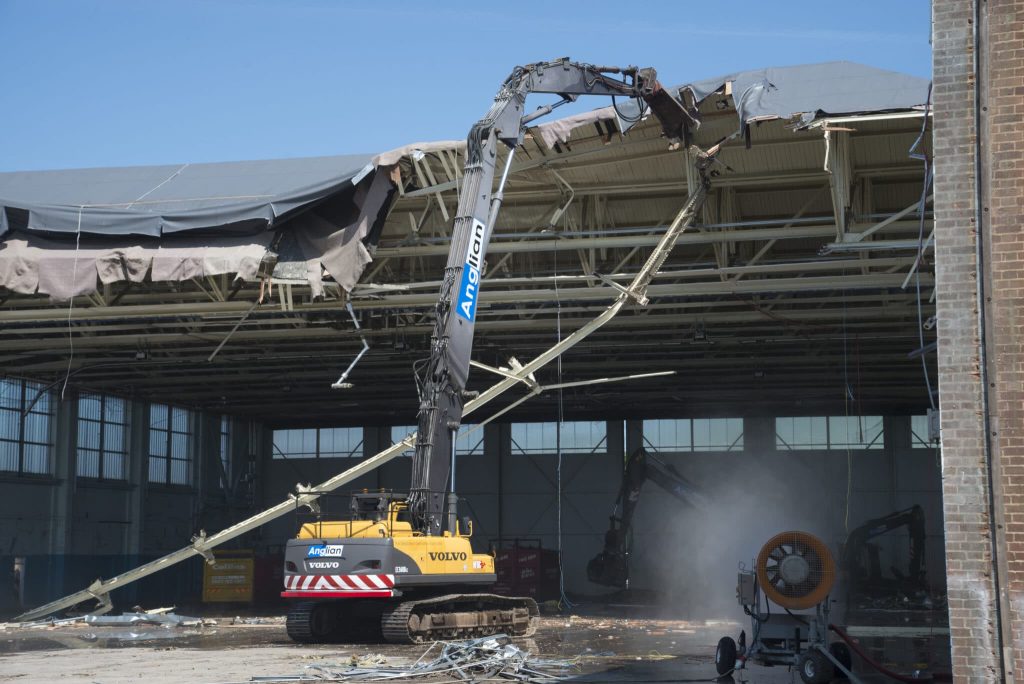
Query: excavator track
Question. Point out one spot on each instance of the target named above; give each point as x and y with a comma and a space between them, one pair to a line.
332, 622
459, 616
300, 623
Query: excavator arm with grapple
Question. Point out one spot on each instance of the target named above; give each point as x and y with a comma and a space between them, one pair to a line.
442, 382
411, 550
611, 566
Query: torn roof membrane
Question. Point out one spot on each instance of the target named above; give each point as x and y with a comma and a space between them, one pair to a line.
811, 91
805, 93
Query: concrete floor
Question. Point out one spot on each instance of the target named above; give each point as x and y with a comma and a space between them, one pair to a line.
608, 646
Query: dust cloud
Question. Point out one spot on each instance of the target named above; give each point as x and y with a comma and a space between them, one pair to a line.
690, 556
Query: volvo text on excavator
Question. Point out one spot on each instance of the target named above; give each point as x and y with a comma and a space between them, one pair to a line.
401, 567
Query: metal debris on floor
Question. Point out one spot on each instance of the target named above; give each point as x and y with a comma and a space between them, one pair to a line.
275, 620
135, 626
475, 660
158, 619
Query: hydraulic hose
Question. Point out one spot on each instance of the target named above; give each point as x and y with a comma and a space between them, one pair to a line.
910, 679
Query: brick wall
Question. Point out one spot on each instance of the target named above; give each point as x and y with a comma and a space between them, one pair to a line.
973, 571
1003, 205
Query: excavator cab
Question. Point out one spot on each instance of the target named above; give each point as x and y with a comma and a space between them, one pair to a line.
377, 506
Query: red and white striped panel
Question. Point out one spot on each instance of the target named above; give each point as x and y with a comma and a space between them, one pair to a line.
354, 586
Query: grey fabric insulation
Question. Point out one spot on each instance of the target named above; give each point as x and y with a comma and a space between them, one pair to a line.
34, 264
84, 227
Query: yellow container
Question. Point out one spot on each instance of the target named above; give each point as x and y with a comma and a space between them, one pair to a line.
230, 580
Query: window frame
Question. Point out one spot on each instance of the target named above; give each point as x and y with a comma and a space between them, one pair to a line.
601, 447
738, 444
279, 454
916, 440
399, 432
224, 446
169, 458
876, 444
102, 451
22, 417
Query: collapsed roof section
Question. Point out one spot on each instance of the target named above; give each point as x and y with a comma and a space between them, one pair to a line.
748, 302
801, 94
808, 92
66, 231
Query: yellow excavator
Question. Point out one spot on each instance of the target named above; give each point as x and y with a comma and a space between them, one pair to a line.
401, 567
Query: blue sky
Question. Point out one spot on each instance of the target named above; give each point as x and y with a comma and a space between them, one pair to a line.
117, 83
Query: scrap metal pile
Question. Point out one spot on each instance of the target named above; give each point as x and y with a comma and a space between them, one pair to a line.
476, 660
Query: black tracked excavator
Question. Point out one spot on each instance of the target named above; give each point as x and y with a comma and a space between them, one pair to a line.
611, 567
862, 565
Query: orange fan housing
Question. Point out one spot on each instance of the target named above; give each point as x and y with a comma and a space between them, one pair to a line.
795, 570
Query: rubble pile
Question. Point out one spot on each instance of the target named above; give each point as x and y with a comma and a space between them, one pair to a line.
476, 660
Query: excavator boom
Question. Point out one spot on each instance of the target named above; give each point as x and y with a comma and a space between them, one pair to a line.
442, 379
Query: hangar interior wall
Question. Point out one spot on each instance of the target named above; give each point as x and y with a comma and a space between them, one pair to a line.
71, 529
689, 553
64, 530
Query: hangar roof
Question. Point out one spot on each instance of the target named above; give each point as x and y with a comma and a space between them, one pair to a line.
797, 291
160, 200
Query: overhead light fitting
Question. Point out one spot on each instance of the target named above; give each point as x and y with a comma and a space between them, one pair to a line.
872, 245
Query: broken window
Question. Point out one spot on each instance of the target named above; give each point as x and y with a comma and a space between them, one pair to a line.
295, 444
855, 432
398, 433
470, 440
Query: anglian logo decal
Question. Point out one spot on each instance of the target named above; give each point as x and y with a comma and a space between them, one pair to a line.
469, 288
324, 551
